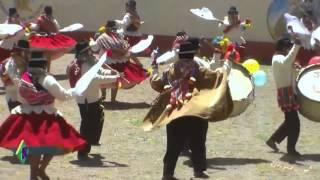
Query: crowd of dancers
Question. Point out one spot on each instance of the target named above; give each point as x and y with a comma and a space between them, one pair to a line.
184, 87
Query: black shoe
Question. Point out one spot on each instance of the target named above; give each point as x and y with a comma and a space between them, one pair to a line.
169, 178
83, 157
96, 144
201, 175
272, 144
294, 153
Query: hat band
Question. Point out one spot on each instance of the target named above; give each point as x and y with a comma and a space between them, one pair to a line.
187, 52
38, 59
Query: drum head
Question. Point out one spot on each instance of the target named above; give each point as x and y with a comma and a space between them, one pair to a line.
309, 82
240, 83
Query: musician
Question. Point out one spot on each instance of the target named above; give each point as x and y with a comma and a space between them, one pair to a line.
284, 75
184, 128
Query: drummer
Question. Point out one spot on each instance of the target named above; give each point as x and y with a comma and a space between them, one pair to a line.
284, 74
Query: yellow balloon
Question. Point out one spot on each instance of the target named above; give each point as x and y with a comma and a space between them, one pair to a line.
251, 65
102, 29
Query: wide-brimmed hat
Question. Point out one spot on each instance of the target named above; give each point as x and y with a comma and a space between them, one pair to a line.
111, 24
188, 49
12, 11
82, 47
37, 60
233, 10
22, 45
131, 3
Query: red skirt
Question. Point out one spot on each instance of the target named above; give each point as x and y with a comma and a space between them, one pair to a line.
54, 45
43, 134
134, 73
133, 40
4, 54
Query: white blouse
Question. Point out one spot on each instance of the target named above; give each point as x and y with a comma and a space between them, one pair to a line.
54, 88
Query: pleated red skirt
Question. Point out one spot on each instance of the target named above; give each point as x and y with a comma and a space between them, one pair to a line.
54, 45
132, 72
43, 134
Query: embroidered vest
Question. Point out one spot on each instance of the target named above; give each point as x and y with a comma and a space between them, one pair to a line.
46, 24
33, 95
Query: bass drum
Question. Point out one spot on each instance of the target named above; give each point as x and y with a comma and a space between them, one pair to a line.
308, 91
241, 87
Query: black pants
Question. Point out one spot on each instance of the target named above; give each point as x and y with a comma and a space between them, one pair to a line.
13, 104
92, 119
289, 128
191, 129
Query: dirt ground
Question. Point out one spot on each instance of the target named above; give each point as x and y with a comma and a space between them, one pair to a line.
235, 148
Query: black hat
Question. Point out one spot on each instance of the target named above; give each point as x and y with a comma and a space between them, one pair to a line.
195, 42
22, 44
181, 33
187, 50
12, 11
48, 10
111, 24
233, 10
131, 3
284, 43
37, 60
82, 47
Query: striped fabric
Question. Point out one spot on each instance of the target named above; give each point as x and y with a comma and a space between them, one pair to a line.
287, 99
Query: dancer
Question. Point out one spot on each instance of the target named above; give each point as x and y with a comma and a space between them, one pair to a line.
131, 23
120, 61
15, 65
91, 110
42, 127
14, 17
48, 38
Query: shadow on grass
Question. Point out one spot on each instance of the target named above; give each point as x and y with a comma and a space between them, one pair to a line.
213, 162
60, 77
96, 160
304, 157
13, 160
124, 105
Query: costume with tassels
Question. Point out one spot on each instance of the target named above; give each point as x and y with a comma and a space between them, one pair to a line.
210, 100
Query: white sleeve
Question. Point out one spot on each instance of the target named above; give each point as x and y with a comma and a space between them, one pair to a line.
56, 23
103, 71
11, 69
291, 56
34, 26
227, 65
125, 21
105, 79
55, 89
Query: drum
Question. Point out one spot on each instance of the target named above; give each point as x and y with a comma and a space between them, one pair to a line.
308, 91
241, 87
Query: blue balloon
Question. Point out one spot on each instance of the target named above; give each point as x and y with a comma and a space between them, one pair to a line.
259, 78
